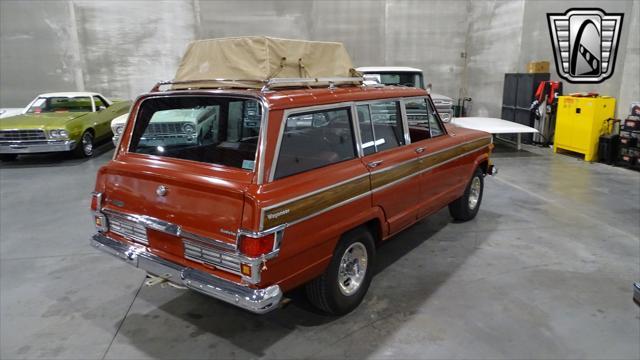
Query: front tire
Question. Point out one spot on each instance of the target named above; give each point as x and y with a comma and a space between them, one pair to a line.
343, 285
466, 207
86, 145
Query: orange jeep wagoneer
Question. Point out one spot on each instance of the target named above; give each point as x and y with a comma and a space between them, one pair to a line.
286, 186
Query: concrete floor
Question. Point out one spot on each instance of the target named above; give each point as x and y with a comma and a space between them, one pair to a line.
544, 271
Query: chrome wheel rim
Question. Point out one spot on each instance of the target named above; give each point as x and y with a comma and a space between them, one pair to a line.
87, 144
353, 268
474, 193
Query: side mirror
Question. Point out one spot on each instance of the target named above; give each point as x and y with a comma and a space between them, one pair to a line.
100, 108
429, 88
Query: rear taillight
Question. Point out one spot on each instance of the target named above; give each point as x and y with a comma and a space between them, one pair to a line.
255, 247
99, 219
96, 201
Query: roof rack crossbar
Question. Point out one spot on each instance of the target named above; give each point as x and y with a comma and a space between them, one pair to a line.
267, 84
331, 81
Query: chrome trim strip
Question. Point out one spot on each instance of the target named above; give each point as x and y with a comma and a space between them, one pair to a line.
291, 111
277, 239
405, 122
261, 150
263, 211
259, 301
435, 110
455, 146
302, 196
355, 124
35, 146
347, 201
426, 154
171, 229
426, 170
224, 248
316, 191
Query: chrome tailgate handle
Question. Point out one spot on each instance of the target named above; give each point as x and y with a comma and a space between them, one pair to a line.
374, 164
420, 150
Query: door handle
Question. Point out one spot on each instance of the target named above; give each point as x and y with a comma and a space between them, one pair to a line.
374, 163
420, 150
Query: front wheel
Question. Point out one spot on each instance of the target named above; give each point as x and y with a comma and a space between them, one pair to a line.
85, 147
345, 282
466, 207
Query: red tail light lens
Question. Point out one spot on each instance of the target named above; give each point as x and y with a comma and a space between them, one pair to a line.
255, 247
96, 200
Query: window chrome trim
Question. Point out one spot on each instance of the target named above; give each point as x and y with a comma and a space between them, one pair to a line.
355, 124
438, 119
283, 123
291, 111
405, 123
260, 150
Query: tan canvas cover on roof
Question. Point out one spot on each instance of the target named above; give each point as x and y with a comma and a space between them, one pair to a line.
261, 59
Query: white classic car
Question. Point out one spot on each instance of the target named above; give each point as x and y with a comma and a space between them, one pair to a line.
178, 126
6, 112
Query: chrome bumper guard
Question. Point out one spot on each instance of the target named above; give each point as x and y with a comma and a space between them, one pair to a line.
258, 301
36, 146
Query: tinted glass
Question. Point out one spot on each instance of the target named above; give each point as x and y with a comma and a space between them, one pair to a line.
420, 113
387, 125
314, 140
434, 125
213, 130
400, 78
98, 102
61, 104
366, 130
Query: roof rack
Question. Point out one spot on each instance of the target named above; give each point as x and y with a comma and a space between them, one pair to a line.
265, 85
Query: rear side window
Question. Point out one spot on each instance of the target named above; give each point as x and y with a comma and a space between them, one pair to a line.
315, 139
421, 115
207, 129
380, 126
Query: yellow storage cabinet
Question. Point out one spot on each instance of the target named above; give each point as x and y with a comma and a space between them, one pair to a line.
580, 121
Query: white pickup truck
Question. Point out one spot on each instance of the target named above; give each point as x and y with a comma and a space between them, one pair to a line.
412, 77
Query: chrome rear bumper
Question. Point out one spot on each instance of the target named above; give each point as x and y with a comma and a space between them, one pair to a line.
31, 147
259, 301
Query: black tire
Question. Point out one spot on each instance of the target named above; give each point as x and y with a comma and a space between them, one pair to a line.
8, 157
464, 208
86, 145
326, 293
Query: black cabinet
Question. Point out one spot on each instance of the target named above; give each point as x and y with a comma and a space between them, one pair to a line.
517, 95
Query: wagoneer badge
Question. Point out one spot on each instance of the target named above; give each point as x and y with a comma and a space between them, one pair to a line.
161, 190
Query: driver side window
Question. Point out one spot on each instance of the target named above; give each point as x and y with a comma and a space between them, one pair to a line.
315, 139
99, 102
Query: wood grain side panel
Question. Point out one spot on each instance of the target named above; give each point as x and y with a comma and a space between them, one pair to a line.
385, 177
312, 204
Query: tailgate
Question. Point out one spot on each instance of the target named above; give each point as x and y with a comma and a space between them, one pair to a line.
194, 199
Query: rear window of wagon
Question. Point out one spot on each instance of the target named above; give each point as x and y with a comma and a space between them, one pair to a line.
215, 130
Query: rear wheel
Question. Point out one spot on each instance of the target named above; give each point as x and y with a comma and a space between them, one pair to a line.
466, 207
8, 157
345, 282
85, 146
